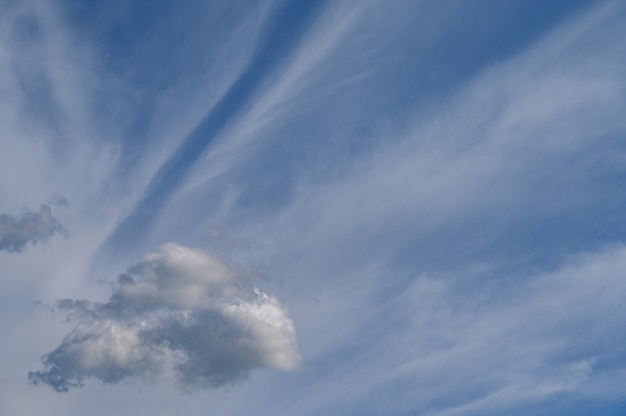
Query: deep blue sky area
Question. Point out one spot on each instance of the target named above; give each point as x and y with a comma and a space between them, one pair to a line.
312, 207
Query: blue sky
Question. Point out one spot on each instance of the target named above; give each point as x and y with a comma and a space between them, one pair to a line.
324, 207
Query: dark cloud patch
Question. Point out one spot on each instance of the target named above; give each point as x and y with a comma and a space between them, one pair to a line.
58, 199
181, 313
31, 227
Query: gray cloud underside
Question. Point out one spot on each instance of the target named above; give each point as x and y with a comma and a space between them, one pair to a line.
179, 312
30, 227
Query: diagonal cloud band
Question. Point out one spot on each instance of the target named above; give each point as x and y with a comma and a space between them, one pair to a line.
284, 30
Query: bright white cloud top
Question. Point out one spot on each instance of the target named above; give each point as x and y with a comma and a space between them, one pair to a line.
179, 309
433, 190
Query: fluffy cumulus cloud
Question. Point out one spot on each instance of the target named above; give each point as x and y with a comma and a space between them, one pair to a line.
179, 312
30, 227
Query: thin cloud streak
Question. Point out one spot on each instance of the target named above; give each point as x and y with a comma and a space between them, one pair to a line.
282, 35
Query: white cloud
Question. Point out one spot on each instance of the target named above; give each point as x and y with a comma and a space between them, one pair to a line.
179, 310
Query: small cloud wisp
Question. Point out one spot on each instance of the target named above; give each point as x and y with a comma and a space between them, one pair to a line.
30, 227
180, 311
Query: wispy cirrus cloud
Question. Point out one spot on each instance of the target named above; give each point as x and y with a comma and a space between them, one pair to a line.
179, 310
471, 347
511, 173
285, 27
418, 174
